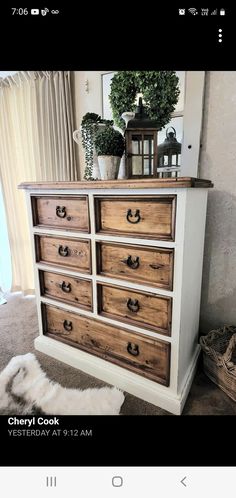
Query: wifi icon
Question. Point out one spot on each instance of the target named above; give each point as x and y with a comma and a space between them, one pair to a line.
193, 11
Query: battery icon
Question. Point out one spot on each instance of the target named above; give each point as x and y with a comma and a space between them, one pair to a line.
222, 12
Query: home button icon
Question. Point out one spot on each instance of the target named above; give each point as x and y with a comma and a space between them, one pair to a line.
117, 481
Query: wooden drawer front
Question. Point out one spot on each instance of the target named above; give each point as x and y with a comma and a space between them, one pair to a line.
150, 217
138, 308
150, 265
143, 355
71, 290
64, 252
69, 213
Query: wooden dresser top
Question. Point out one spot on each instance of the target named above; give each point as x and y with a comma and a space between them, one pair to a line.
184, 182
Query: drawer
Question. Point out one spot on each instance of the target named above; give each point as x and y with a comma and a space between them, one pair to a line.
64, 252
147, 265
72, 290
137, 308
148, 217
143, 355
69, 213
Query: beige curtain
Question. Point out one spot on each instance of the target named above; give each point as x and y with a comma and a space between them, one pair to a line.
36, 143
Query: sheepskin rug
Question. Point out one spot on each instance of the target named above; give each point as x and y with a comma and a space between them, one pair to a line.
25, 389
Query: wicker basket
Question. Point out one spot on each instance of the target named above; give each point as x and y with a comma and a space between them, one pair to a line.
219, 358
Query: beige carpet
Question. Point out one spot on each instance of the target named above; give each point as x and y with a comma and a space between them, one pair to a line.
19, 327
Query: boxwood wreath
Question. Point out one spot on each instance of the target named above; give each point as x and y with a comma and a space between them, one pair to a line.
160, 94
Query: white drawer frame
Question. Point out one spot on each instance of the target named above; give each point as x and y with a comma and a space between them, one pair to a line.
189, 244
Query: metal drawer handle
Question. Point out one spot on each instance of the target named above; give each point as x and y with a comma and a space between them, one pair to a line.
130, 215
67, 325
65, 287
63, 251
133, 349
132, 263
133, 305
61, 211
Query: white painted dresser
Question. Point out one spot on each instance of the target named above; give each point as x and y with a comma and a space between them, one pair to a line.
118, 269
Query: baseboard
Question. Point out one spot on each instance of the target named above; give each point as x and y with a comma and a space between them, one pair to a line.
190, 376
132, 383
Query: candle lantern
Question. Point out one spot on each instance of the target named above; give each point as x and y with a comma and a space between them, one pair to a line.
141, 145
169, 155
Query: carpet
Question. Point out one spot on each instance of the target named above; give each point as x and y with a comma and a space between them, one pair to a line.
19, 327
25, 389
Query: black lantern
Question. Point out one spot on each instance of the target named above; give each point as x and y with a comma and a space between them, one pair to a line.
169, 155
141, 145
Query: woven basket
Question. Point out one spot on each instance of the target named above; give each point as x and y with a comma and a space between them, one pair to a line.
219, 358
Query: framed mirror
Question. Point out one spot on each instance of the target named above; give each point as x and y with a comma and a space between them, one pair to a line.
186, 119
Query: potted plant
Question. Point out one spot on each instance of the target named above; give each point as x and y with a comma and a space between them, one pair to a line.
90, 124
109, 146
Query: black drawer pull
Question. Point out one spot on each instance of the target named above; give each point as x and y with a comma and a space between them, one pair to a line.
65, 287
133, 349
133, 305
63, 251
132, 263
67, 325
61, 211
130, 215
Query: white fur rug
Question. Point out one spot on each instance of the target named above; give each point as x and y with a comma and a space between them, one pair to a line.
25, 389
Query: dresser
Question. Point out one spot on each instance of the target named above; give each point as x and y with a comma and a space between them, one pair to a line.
118, 269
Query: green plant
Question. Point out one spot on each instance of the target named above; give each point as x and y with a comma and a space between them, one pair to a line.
89, 127
159, 89
109, 142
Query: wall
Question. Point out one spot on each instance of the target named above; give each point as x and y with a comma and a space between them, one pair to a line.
86, 102
218, 163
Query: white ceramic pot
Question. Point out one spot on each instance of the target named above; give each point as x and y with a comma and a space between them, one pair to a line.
109, 167
95, 169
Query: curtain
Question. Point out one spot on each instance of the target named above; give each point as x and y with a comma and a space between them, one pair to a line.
36, 143
5, 254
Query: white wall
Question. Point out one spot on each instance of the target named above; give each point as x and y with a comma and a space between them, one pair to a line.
218, 163
86, 102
